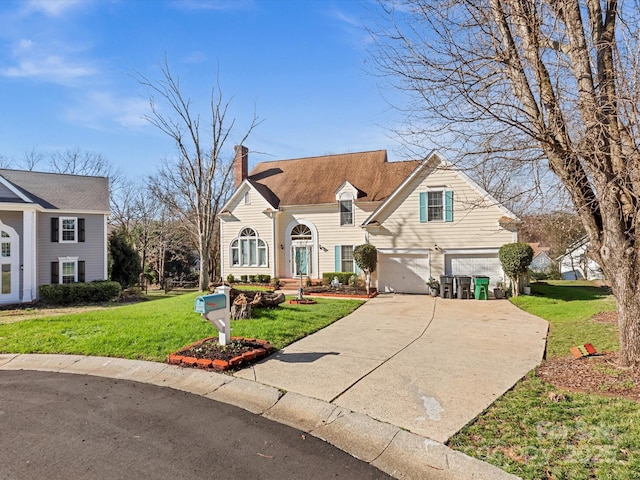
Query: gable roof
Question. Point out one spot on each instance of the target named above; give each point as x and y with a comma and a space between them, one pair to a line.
433, 160
57, 191
537, 249
314, 180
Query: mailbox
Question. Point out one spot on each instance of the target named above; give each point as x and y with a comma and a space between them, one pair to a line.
210, 303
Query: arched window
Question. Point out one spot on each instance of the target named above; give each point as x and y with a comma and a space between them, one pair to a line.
248, 250
301, 232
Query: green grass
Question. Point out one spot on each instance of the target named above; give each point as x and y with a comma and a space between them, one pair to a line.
569, 306
538, 432
151, 330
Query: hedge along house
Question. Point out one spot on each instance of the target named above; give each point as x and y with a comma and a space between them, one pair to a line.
53, 229
303, 217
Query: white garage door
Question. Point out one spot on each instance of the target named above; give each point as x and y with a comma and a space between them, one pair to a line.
474, 264
403, 273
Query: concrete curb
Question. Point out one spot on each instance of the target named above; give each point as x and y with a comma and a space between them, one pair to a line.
399, 453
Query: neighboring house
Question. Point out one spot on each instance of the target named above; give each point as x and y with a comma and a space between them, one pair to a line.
576, 265
541, 262
53, 229
303, 217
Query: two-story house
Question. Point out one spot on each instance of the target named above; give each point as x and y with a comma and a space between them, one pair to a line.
53, 229
303, 217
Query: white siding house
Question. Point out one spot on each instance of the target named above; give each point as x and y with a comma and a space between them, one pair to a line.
425, 217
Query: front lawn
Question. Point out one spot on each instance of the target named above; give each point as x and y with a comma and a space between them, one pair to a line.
537, 431
151, 330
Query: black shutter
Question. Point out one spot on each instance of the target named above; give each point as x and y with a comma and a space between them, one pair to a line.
81, 271
55, 236
81, 229
55, 273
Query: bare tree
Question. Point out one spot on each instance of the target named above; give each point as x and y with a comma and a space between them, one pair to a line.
531, 78
32, 159
4, 162
195, 185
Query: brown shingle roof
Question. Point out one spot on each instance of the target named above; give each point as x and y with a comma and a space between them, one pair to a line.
61, 191
314, 180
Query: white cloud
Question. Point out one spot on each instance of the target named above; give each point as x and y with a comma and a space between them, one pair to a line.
33, 61
218, 5
101, 110
52, 8
52, 68
195, 57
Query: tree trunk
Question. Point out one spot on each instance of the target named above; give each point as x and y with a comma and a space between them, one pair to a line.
204, 270
241, 311
269, 299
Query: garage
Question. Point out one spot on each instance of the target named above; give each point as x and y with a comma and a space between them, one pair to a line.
471, 264
403, 272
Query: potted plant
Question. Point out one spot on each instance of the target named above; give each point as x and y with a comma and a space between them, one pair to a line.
499, 290
434, 287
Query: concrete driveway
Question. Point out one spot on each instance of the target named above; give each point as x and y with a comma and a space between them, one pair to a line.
428, 365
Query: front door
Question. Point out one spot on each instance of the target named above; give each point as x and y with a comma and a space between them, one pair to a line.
301, 261
9, 259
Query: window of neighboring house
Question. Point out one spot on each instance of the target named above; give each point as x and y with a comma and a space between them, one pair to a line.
346, 209
5, 245
68, 269
248, 250
68, 229
346, 256
435, 206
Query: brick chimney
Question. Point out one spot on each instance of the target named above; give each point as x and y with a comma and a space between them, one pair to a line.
240, 164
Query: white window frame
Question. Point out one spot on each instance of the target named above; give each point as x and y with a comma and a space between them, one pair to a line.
346, 198
62, 230
343, 260
61, 262
247, 197
442, 206
254, 246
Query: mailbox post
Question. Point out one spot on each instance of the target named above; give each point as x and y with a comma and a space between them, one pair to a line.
215, 309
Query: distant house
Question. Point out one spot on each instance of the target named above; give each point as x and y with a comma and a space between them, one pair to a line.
302, 217
541, 262
53, 229
576, 265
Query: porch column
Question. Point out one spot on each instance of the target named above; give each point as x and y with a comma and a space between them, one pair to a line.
28, 266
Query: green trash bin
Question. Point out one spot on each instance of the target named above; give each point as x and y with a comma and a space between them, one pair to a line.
481, 287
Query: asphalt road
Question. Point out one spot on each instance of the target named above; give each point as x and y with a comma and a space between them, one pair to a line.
62, 426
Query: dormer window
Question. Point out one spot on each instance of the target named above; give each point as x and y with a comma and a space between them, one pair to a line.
346, 209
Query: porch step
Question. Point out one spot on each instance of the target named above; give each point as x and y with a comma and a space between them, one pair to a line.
290, 283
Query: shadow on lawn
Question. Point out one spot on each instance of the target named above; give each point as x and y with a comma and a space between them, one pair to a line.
569, 292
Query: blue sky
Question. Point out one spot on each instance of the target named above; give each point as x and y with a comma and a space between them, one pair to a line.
67, 72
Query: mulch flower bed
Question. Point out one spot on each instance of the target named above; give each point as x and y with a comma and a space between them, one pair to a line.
344, 291
597, 374
209, 354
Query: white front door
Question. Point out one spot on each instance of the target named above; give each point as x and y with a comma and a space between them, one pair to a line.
301, 260
9, 268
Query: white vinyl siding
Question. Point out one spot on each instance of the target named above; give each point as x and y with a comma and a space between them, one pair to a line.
474, 225
248, 215
329, 234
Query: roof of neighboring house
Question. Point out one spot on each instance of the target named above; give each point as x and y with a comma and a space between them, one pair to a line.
314, 180
60, 191
537, 249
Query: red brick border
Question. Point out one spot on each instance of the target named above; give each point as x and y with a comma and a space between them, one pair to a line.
221, 365
340, 295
